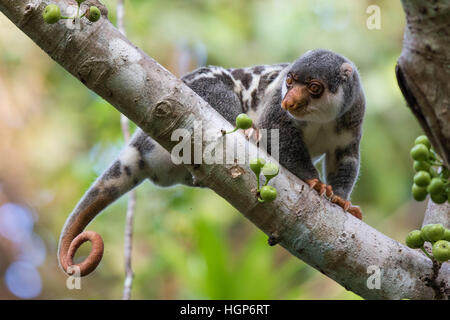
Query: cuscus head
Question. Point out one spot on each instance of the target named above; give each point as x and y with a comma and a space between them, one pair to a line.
320, 86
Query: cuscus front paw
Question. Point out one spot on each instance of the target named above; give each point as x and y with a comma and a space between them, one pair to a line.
323, 188
320, 187
252, 134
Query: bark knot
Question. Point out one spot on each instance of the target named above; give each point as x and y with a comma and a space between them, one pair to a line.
236, 171
164, 108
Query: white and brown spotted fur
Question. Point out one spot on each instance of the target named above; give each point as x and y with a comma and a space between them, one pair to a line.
334, 131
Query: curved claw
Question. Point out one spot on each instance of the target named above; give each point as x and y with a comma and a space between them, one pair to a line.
252, 134
327, 190
320, 187
338, 200
248, 133
347, 206
355, 211
312, 183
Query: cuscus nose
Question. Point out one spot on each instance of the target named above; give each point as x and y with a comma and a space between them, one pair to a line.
288, 102
294, 98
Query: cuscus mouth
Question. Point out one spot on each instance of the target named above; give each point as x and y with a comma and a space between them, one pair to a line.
298, 106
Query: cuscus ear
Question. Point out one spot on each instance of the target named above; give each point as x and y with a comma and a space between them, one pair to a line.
346, 71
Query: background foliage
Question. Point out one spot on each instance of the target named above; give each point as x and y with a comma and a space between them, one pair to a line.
56, 137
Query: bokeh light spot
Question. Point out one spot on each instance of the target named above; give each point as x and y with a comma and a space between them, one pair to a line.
16, 222
23, 280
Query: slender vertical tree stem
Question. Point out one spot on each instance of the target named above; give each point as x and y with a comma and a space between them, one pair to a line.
120, 16
128, 243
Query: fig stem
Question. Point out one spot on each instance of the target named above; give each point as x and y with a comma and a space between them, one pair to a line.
235, 129
267, 181
426, 253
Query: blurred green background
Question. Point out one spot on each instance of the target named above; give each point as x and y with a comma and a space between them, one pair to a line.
56, 137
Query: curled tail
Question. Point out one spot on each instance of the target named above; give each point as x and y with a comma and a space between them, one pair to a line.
123, 175
142, 158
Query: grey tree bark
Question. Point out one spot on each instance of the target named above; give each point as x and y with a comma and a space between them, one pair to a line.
309, 226
423, 69
437, 214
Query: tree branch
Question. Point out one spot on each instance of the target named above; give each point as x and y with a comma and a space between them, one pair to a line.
307, 225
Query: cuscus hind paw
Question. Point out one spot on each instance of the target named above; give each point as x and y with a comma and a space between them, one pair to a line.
347, 206
324, 189
355, 211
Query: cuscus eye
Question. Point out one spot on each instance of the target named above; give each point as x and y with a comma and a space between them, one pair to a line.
315, 87
289, 80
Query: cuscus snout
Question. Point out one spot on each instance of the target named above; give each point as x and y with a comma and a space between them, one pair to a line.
295, 98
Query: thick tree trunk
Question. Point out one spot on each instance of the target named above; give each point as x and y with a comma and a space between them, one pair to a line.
310, 227
437, 214
423, 69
